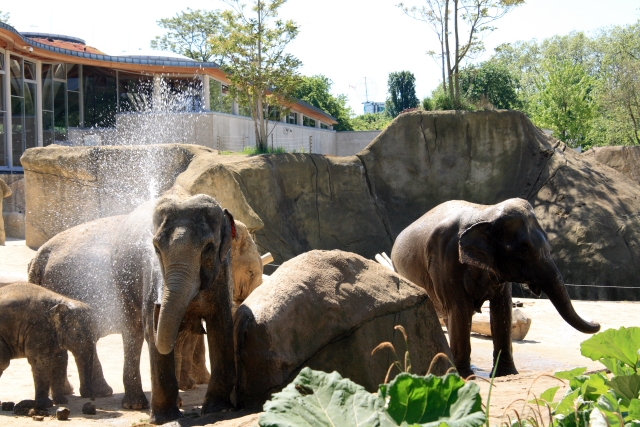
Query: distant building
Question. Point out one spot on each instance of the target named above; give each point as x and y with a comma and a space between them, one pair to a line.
56, 89
373, 107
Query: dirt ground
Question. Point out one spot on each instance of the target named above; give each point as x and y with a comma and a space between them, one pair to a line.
551, 345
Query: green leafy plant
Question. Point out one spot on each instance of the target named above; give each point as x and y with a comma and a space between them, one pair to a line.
599, 398
317, 398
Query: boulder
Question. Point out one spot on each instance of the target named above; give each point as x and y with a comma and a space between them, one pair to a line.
328, 310
68, 186
294, 203
624, 159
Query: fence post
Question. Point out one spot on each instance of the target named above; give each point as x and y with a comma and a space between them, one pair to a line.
272, 142
310, 144
218, 143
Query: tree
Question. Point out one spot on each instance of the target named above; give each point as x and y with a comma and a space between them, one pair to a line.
4, 17
565, 102
263, 77
464, 20
402, 92
371, 121
189, 33
316, 91
490, 85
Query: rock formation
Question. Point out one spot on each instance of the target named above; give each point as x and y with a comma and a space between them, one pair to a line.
298, 202
328, 310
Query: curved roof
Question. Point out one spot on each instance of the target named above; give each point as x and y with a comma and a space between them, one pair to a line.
162, 55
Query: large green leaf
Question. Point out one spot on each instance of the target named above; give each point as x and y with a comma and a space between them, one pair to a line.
431, 400
567, 404
622, 344
610, 409
567, 375
320, 399
627, 387
634, 410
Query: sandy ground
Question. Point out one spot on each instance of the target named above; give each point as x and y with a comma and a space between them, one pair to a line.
551, 345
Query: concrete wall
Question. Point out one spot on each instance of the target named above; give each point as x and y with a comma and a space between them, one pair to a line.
219, 131
350, 143
13, 207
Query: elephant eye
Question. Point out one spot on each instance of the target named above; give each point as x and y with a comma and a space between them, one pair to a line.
209, 249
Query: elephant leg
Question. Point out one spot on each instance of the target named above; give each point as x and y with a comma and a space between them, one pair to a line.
59, 377
5, 357
41, 368
100, 386
132, 339
184, 360
164, 383
199, 371
459, 329
501, 332
221, 356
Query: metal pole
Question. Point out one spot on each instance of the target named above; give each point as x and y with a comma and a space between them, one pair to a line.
272, 142
218, 144
310, 144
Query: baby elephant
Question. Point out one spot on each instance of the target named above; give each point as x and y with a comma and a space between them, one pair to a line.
42, 325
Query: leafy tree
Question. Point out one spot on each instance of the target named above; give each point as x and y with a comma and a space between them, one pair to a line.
466, 21
371, 121
402, 92
490, 85
4, 17
565, 102
252, 44
316, 91
189, 33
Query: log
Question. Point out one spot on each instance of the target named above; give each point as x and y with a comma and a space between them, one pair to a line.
267, 258
520, 324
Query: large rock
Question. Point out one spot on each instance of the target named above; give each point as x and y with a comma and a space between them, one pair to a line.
328, 310
298, 202
13, 208
624, 159
68, 186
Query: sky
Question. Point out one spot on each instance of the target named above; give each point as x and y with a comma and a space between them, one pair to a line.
346, 40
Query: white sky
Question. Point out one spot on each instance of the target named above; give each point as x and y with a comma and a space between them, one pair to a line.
346, 40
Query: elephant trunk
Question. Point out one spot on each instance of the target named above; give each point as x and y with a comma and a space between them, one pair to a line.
557, 293
181, 285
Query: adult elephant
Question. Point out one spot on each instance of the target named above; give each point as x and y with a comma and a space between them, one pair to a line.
171, 266
167, 264
464, 254
247, 271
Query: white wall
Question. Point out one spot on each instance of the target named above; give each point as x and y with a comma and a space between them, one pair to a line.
220, 131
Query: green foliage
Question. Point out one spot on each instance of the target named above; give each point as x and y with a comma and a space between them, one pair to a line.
189, 33
595, 399
319, 399
316, 90
611, 59
565, 102
442, 100
252, 45
427, 104
490, 85
4, 17
371, 121
402, 92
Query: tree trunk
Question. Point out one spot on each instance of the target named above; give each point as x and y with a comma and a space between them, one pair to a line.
456, 78
446, 44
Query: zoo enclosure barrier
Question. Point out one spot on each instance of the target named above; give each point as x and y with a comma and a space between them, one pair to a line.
290, 145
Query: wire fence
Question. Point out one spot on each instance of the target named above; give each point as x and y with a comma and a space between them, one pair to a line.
288, 145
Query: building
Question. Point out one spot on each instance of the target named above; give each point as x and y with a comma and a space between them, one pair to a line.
56, 89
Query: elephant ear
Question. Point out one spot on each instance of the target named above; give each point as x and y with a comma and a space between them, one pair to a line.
227, 234
475, 247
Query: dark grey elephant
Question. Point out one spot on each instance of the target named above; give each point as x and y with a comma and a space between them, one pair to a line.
464, 254
159, 270
171, 267
41, 326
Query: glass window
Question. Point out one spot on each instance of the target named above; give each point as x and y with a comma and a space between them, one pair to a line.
16, 76
308, 121
29, 70
73, 77
31, 130
100, 96
1, 97
74, 109
292, 118
17, 128
323, 126
60, 110
47, 128
134, 91
59, 71
219, 97
1, 61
